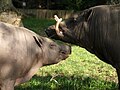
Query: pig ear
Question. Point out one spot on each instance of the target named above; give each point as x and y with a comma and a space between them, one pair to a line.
38, 41
87, 14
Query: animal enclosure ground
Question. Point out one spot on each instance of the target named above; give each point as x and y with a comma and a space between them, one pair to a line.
81, 71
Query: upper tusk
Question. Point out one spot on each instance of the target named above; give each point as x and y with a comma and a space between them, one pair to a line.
58, 20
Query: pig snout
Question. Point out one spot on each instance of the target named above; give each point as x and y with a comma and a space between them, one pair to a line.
65, 51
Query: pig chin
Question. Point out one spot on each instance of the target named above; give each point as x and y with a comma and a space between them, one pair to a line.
64, 57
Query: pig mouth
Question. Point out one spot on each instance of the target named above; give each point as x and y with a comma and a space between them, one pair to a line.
50, 33
64, 58
64, 55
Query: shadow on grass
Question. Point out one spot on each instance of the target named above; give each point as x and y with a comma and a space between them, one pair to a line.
66, 83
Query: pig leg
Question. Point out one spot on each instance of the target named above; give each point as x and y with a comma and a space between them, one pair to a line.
23, 79
29, 75
7, 85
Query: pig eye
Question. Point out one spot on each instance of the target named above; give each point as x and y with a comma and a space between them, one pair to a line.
52, 45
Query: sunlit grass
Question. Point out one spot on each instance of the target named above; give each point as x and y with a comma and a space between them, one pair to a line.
81, 71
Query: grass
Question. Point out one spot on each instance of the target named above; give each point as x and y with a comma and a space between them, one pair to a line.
81, 71
37, 25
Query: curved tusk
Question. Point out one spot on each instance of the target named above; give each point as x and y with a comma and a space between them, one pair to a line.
58, 20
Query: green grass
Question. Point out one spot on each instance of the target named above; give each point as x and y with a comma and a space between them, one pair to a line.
37, 25
81, 71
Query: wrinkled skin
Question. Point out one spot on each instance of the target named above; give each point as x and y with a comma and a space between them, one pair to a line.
22, 53
96, 29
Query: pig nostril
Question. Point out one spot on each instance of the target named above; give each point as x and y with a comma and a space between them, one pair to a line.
63, 52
